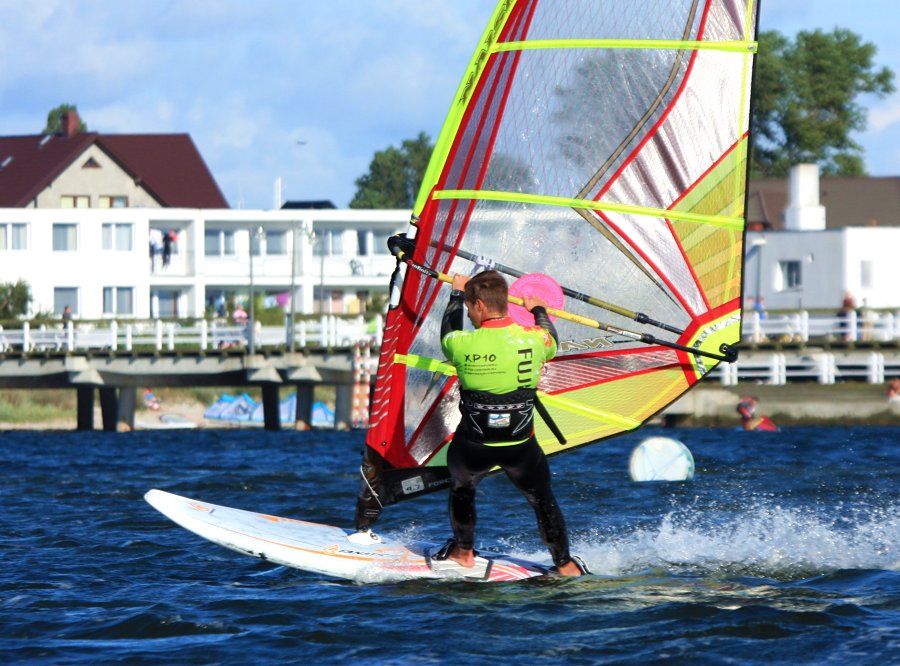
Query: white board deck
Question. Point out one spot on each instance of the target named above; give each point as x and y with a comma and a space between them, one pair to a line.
325, 549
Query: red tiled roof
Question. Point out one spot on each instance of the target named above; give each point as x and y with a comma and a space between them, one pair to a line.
30, 163
168, 166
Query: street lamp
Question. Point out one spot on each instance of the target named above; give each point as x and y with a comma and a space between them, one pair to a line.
259, 233
322, 242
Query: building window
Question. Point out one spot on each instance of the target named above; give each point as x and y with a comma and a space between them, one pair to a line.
13, 236
118, 300
789, 275
166, 302
65, 296
276, 242
75, 201
329, 243
380, 246
65, 237
113, 202
118, 236
362, 241
218, 242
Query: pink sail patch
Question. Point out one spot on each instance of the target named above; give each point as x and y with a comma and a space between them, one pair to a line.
535, 284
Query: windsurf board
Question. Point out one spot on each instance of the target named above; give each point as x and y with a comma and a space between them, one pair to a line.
330, 550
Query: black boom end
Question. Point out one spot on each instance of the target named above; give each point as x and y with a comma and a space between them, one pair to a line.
730, 353
397, 244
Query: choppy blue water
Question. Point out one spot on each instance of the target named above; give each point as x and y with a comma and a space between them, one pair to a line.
785, 548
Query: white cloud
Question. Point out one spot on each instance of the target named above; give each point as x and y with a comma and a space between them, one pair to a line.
885, 115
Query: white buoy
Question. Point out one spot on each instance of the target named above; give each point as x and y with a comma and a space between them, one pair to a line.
661, 459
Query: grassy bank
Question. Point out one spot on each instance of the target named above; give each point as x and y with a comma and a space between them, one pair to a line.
36, 406
44, 405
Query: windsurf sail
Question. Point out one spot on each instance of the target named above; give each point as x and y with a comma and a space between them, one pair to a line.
601, 143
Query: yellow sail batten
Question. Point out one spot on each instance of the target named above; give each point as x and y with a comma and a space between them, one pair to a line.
425, 363
589, 204
732, 46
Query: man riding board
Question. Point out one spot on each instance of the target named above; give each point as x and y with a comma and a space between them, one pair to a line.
499, 367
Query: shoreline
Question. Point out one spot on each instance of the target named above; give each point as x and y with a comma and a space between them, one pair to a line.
797, 404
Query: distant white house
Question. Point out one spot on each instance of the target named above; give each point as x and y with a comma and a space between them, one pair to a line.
795, 270
815, 260
99, 261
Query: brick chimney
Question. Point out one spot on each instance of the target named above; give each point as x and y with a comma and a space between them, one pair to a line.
70, 123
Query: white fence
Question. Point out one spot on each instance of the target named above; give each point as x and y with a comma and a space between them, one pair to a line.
821, 366
329, 331
801, 327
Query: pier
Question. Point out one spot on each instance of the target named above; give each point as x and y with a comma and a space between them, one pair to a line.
117, 377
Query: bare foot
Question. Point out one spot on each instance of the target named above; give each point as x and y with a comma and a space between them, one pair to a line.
465, 557
569, 569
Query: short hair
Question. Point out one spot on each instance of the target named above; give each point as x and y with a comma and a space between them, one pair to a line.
491, 288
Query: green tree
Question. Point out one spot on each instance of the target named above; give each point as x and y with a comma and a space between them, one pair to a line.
395, 175
376, 302
54, 119
804, 101
14, 299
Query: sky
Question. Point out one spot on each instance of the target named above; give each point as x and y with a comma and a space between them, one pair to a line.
306, 91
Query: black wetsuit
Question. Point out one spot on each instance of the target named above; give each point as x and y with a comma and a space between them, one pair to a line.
499, 368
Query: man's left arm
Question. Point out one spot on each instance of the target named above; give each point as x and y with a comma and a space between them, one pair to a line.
542, 319
538, 308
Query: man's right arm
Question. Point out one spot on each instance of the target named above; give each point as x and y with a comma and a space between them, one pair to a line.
453, 315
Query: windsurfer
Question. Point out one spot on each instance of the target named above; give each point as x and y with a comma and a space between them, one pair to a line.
499, 366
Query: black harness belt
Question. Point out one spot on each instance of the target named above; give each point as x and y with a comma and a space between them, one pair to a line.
503, 417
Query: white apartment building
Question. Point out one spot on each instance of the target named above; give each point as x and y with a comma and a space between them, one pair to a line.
99, 262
